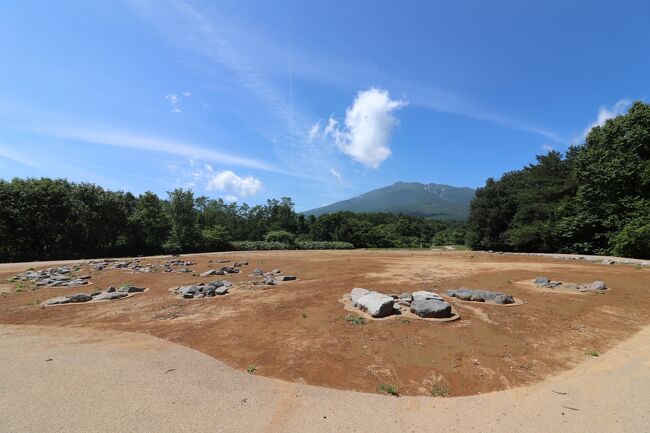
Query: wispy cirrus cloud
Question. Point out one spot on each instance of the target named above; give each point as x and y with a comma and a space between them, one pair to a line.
193, 30
139, 141
175, 101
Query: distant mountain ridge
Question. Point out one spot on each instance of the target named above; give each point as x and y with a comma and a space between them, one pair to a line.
429, 200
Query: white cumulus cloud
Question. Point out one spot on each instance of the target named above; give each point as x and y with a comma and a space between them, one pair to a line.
228, 181
369, 122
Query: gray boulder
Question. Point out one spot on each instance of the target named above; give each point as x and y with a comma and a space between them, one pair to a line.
221, 290
504, 299
431, 308
375, 304
80, 297
257, 272
596, 285
542, 281
130, 289
358, 292
464, 294
451, 292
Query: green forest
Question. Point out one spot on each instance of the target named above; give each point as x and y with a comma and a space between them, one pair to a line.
43, 219
594, 198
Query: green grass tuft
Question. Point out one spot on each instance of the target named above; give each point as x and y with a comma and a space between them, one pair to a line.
387, 388
355, 320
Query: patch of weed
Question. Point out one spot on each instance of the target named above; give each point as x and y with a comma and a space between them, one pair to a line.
591, 353
355, 320
387, 388
439, 390
127, 285
251, 369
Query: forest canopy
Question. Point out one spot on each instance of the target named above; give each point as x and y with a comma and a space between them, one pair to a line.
593, 199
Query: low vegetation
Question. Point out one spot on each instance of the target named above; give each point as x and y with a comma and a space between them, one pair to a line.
355, 320
386, 388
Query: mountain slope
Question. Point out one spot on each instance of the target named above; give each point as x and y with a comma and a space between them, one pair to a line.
412, 198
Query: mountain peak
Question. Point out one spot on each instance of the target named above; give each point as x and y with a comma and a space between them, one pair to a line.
430, 200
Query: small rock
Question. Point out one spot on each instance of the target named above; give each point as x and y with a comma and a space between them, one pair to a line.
541, 281
286, 278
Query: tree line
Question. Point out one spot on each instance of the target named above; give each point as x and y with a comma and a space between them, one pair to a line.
45, 219
594, 198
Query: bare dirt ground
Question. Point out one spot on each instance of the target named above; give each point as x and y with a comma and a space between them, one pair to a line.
296, 331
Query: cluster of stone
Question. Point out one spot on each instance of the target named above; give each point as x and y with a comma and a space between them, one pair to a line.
109, 294
224, 270
594, 286
481, 296
136, 266
53, 277
423, 303
209, 290
271, 278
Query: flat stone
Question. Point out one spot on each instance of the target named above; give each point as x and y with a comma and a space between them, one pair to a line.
240, 264
109, 296
425, 295
540, 281
130, 289
257, 272
431, 308
286, 278
375, 304
221, 290
209, 273
358, 292
596, 285
58, 301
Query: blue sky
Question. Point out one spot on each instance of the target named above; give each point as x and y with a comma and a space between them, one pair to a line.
314, 100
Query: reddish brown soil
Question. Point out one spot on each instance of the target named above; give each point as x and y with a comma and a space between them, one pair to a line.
297, 331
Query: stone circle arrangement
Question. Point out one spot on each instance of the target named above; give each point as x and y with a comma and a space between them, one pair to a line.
423, 304
595, 286
109, 294
53, 277
201, 290
271, 278
465, 294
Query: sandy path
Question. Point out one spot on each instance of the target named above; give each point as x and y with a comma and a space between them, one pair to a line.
121, 382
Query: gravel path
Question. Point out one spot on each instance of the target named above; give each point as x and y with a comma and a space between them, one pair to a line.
79, 380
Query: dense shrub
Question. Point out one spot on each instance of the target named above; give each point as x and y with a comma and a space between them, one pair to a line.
281, 236
259, 246
321, 245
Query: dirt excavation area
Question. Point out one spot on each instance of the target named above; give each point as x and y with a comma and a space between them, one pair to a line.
247, 310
